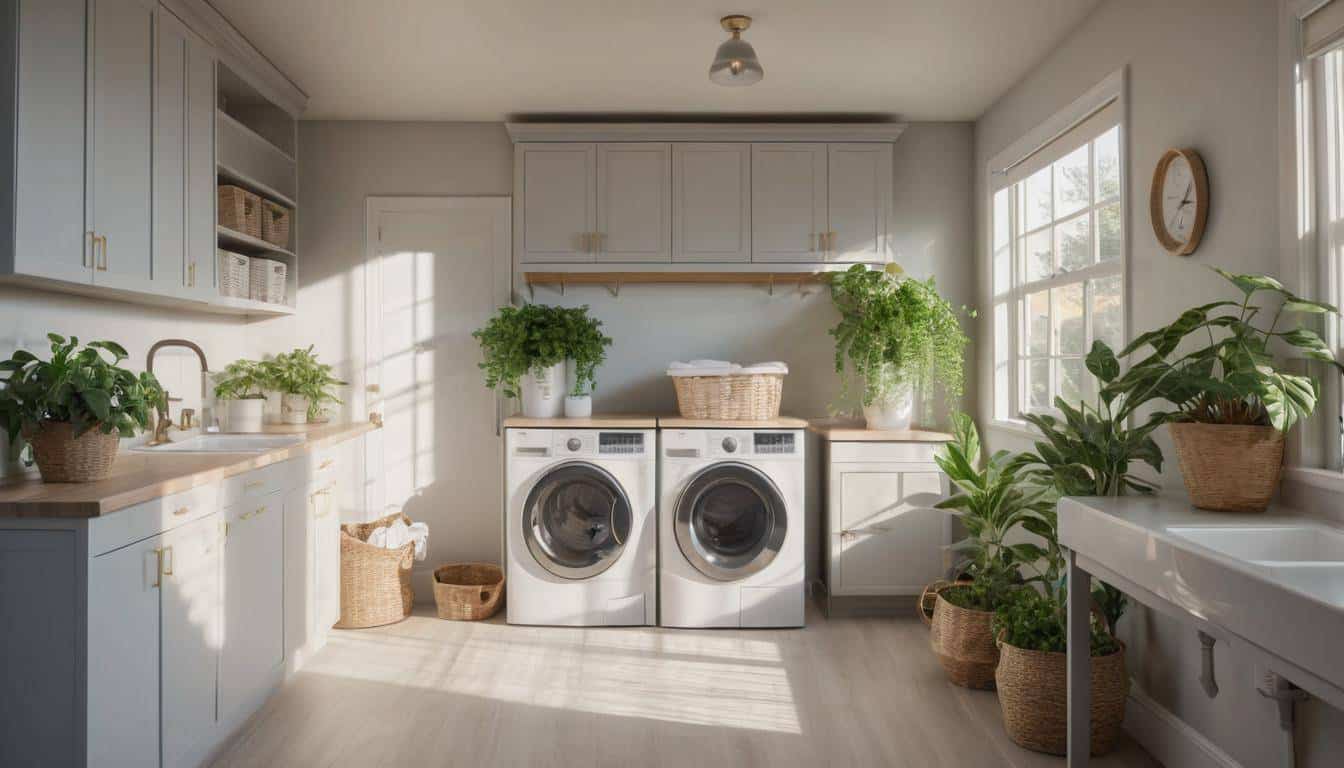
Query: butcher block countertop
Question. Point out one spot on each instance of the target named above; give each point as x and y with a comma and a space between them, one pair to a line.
838, 431
138, 476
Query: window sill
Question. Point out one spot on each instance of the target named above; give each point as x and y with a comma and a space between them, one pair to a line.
1324, 479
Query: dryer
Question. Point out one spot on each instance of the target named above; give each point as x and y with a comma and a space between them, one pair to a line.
580, 528
731, 527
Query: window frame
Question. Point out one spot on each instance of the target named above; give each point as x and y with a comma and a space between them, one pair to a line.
1111, 90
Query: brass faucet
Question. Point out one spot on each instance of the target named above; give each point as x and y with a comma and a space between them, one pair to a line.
163, 423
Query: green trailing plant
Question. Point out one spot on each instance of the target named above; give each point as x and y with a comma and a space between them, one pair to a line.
299, 373
991, 501
585, 344
895, 332
1233, 378
86, 387
521, 340
242, 380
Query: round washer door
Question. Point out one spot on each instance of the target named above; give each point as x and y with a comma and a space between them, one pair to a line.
576, 520
730, 521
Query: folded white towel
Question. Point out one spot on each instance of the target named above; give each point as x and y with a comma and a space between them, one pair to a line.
398, 534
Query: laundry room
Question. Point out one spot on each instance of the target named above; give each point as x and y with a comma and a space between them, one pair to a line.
514, 383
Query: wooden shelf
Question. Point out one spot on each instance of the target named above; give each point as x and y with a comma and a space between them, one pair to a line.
240, 179
614, 280
236, 239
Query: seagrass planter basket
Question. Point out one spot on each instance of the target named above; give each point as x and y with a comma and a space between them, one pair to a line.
1227, 467
961, 638
63, 458
375, 581
1033, 694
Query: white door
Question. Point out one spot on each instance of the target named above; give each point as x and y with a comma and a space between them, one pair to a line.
438, 269
711, 202
858, 201
556, 208
190, 615
123, 649
788, 202
50, 239
300, 586
888, 537
122, 130
634, 202
253, 607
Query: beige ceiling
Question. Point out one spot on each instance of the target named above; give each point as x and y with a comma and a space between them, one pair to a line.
479, 60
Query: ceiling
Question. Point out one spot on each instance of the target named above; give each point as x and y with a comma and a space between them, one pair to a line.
485, 60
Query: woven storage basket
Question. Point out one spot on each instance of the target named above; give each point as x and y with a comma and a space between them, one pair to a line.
468, 591
375, 581
267, 281
235, 274
751, 397
961, 639
1033, 694
239, 210
275, 223
63, 458
1229, 468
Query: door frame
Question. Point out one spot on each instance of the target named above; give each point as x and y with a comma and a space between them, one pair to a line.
368, 399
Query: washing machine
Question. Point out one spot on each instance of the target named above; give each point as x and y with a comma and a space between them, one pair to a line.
731, 526
580, 530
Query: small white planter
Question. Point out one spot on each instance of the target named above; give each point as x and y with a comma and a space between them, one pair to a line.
243, 415
543, 392
578, 406
293, 409
896, 412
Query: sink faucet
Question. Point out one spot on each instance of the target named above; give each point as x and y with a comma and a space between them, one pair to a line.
164, 422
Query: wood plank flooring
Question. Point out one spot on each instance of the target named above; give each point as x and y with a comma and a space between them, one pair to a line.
426, 692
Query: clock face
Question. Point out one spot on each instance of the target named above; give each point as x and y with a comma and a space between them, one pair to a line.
1179, 200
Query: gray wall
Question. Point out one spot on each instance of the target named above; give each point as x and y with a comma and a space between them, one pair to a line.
1201, 73
341, 163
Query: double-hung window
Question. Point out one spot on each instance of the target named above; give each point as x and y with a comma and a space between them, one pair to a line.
1058, 275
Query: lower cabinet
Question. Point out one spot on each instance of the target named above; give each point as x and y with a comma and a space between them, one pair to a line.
253, 651
312, 569
189, 641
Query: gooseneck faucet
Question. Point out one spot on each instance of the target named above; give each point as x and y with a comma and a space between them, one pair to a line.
164, 422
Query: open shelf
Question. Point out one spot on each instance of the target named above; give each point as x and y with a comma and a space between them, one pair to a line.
237, 306
240, 179
240, 240
614, 280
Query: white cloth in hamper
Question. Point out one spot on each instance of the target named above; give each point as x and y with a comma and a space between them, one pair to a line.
396, 535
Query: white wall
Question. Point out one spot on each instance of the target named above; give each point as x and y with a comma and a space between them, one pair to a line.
341, 163
1201, 73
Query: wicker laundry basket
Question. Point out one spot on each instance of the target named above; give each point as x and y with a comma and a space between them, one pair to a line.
731, 394
239, 210
468, 591
375, 581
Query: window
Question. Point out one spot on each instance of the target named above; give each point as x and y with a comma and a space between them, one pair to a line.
1057, 265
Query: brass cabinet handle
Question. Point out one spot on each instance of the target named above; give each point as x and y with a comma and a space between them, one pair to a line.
252, 514
327, 463
100, 240
91, 251
168, 551
253, 484
180, 511
191, 275
158, 568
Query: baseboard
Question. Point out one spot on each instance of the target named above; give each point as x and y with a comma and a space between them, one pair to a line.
1168, 738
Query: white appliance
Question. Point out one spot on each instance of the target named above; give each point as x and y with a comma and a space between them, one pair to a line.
580, 533
731, 529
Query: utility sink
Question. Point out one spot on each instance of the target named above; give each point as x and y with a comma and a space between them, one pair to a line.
224, 444
1270, 545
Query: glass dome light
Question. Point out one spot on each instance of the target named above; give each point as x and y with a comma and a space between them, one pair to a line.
735, 63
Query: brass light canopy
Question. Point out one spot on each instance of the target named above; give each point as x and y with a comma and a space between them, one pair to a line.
735, 62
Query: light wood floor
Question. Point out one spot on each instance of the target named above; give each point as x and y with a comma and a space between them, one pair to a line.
426, 692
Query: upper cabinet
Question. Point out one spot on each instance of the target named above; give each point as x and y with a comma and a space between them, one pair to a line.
642, 204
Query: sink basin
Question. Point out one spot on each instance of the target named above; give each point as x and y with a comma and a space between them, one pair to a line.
224, 444
1269, 544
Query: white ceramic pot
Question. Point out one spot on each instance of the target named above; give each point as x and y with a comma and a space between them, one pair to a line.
244, 415
543, 392
578, 406
895, 412
293, 409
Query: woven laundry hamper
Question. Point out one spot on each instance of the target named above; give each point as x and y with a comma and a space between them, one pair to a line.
737, 393
375, 581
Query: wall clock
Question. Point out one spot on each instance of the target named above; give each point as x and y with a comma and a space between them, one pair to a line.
1179, 201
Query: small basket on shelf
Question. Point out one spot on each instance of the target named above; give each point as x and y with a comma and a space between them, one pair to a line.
275, 223
727, 392
268, 280
235, 274
468, 591
239, 210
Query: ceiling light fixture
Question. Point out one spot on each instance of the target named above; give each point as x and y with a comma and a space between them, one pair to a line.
735, 62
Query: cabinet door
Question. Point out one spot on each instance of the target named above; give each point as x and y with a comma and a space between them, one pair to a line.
634, 202
121, 129
327, 558
201, 195
123, 650
886, 536
50, 237
300, 573
253, 607
168, 273
859, 192
711, 202
788, 202
190, 640
556, 200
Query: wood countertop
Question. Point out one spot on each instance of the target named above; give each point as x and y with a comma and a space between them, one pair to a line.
596, 421
844, 431
139, 476
782, 422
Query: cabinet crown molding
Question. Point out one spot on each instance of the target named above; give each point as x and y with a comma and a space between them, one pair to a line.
723, 132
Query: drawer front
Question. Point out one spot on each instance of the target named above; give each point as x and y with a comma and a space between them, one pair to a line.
250, 508
884, 451
330, 462
141, 521
261, 482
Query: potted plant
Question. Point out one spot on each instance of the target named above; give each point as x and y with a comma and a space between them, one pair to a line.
241, 386
525, 352
586, 346
991, 502
1233, 402
898, 335
73, 408
304, 385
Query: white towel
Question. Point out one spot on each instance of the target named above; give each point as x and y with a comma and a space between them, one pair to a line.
396, 535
